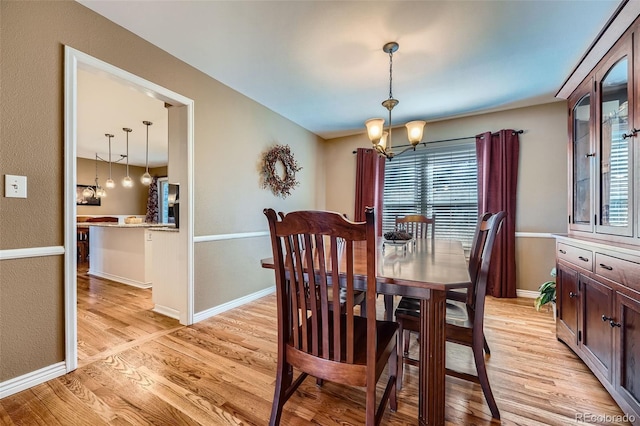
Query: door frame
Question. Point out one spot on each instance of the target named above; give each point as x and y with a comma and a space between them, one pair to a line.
74, 60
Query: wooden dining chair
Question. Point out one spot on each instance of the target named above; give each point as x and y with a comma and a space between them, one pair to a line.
465, 320
417, 225
315, 334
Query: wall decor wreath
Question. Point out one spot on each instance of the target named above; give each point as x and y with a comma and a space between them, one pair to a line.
279, 185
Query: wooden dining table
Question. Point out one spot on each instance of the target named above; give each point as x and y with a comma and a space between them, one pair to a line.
424, 269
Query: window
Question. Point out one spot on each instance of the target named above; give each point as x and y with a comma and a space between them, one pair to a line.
440, 180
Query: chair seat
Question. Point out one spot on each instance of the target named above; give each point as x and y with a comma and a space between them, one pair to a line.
385, 337
456, 311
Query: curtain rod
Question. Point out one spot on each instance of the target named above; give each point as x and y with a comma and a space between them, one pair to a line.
515, 132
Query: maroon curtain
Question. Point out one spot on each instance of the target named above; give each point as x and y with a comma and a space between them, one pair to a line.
497, 183
369, 185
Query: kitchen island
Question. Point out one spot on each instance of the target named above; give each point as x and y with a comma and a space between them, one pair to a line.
122, 252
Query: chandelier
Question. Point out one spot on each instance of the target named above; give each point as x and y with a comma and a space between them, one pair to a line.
380, 138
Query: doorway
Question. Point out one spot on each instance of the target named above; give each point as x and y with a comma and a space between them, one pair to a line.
75, 60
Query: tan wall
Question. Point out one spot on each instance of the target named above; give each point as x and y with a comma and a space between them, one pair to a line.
230, 133
542, 177
119, 200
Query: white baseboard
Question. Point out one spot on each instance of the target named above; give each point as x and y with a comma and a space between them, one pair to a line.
530, 294
200, 316
169, 312
34, 378
119, 279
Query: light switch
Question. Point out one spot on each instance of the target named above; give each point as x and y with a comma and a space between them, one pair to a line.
15, 186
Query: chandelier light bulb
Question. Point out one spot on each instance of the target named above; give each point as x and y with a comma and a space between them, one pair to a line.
100, 192
110, 183
87, 192
127, 182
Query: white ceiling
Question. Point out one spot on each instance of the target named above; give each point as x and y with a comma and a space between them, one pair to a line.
107, 106
321, 65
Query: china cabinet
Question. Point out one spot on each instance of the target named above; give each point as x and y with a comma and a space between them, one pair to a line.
598, 260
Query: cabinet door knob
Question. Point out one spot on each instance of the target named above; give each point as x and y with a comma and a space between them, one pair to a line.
606, 318
607, 267
584, 259
572, 295
591, 154
613, 324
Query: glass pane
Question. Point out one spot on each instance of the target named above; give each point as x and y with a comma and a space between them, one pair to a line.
614, 167
581, 161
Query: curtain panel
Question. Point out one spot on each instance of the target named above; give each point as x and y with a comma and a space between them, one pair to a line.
498, 156
369, 185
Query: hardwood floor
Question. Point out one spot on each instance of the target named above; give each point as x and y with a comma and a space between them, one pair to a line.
141, 368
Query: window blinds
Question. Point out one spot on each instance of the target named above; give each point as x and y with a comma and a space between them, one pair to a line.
435, 180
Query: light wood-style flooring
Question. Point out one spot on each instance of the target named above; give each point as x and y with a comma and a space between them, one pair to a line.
140, 368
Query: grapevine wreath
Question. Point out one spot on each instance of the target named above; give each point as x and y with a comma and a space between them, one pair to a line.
280, 186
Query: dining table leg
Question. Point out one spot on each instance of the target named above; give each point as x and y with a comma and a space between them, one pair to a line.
432, 359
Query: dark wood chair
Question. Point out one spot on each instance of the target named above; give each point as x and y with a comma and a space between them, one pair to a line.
82, 244
417, 225
317, 334
465, 320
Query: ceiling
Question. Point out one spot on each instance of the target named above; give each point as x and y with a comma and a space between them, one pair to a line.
107, 106
321, 65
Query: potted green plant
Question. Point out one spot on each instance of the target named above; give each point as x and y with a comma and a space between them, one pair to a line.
547, 294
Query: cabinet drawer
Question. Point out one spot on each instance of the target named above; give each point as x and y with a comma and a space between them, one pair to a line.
621, 271
576, 255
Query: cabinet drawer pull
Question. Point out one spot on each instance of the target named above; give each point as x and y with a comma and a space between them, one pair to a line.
562, 251
572, 295
584, 259
607, 267
612, 323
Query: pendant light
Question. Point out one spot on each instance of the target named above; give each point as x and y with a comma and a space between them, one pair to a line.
146, 177
98, 191
127, 182
380, 138
109, 182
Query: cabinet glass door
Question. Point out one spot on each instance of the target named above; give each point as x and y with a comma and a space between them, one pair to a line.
615, 151
582, 158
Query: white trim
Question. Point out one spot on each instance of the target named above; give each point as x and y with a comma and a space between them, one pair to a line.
31, 252
221, 237
530, 294
119, 279
34, 378
534, 235
169, 312
200, 316
75, 59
